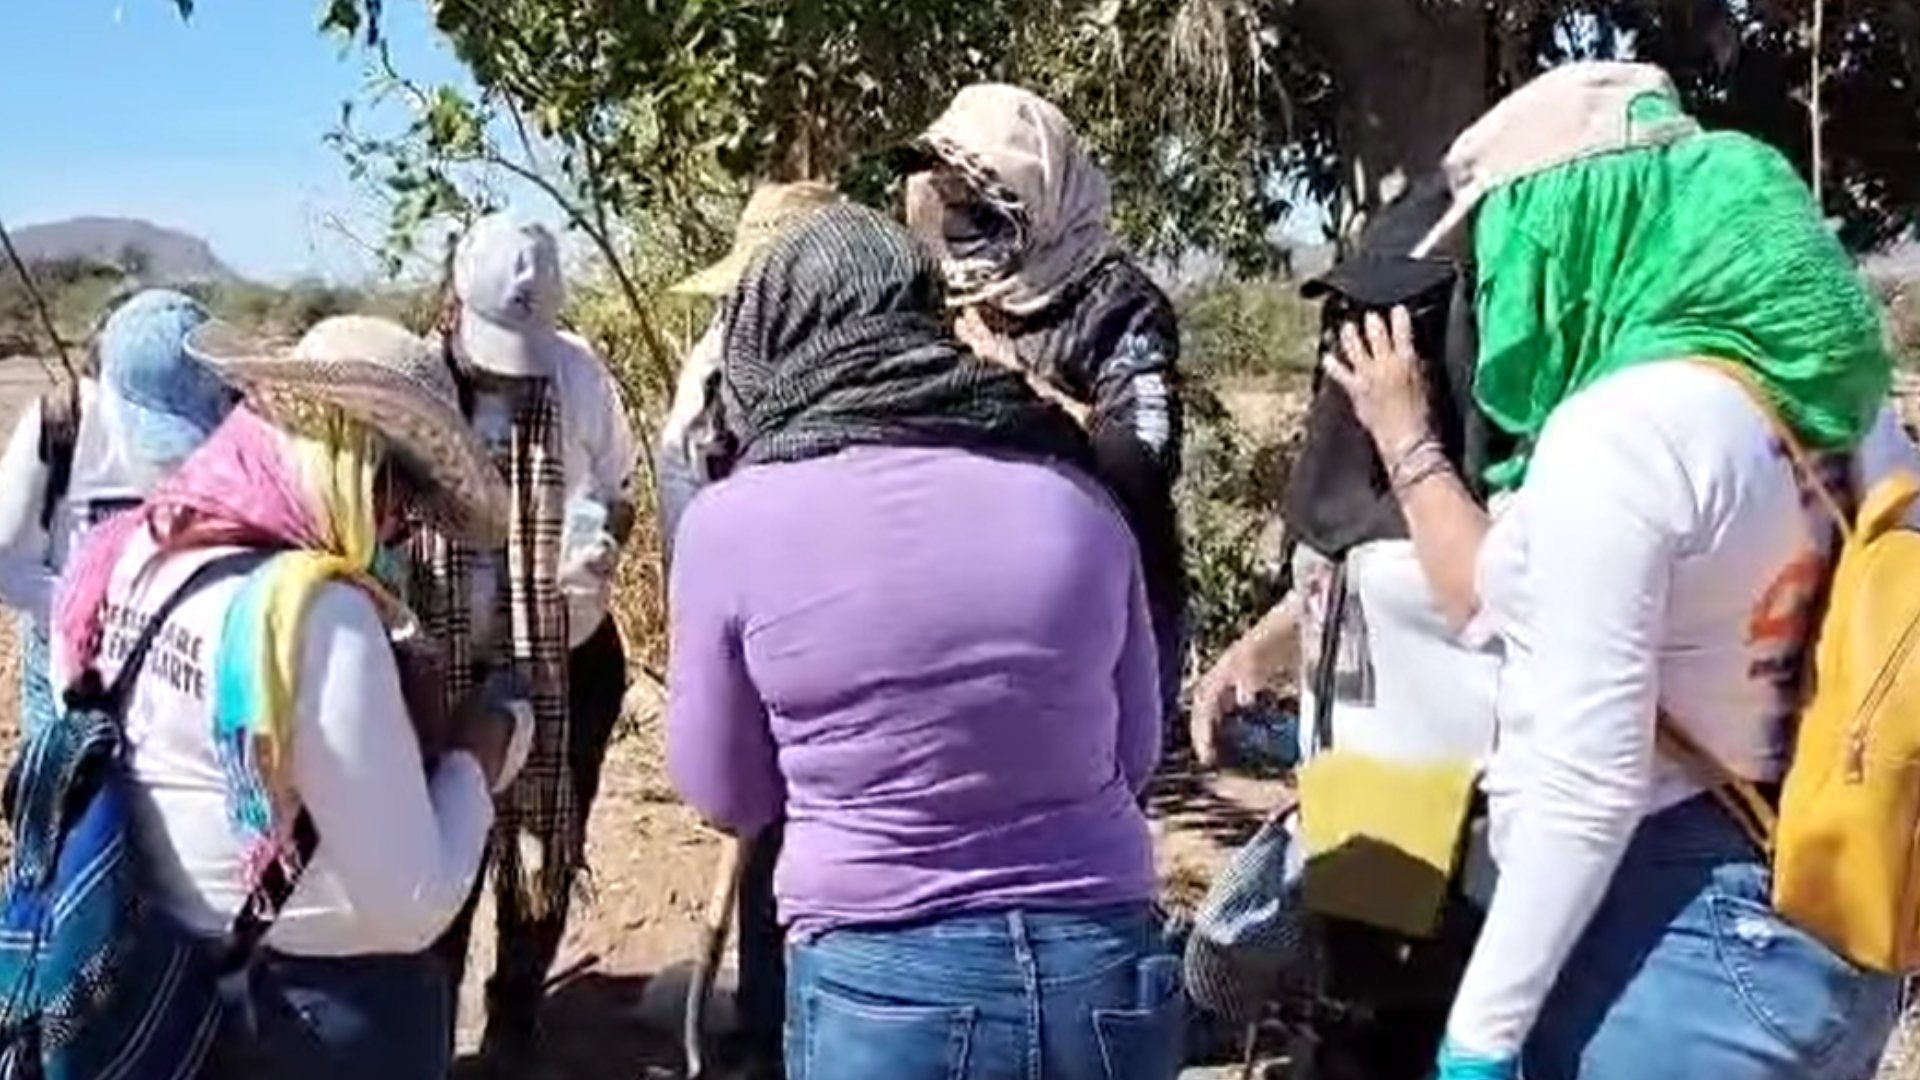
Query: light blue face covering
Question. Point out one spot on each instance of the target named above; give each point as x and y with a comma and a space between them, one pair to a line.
390, 568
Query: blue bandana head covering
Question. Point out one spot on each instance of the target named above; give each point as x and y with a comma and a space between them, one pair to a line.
173, 403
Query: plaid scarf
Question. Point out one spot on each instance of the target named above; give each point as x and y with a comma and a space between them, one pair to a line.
539, 837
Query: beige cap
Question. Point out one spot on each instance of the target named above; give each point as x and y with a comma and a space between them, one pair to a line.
1573, 112
771, 208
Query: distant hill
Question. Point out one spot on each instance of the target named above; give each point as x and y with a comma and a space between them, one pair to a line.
147, 251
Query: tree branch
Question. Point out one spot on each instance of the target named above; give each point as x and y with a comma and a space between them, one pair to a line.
1816, 117
39, 305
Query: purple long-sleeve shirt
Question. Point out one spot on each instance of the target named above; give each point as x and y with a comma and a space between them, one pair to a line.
937, 664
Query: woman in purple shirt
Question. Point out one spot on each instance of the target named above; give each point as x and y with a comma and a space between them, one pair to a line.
912, 623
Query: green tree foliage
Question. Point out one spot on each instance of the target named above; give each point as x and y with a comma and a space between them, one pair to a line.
1747, 64
655, 113
1212, 114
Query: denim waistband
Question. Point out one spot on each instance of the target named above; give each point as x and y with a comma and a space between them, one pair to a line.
1697, 830
1024, 924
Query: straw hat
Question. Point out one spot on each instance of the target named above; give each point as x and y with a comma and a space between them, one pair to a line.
771, 208
386, 378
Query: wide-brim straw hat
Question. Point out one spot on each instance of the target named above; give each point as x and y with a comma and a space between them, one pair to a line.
388, 379
770, 209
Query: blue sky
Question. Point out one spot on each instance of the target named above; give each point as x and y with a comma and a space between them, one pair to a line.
213, 126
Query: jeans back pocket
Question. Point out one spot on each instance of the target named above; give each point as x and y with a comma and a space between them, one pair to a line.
1146, 1042
1803, 994
850, 1039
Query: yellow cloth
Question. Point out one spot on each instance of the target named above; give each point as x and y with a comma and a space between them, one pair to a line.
335, 460
1382, 838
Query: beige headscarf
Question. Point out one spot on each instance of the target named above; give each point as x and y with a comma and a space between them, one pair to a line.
1017, 151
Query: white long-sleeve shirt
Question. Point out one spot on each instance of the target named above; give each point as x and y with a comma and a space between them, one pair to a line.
1661, 554
1407, 687
598, 456
105, 468
399, 846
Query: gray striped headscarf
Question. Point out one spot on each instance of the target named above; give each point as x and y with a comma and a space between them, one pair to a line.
835, 339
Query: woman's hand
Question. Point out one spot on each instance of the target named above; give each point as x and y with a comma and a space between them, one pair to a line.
1231, 684
495, 725
1248, 666
1381, 374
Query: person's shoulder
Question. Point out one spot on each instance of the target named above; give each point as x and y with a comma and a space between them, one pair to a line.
1124, 316
1678, 399
1121, 283
577, 349
342, 607
577, 359
583, 375
1678, 433
724, 510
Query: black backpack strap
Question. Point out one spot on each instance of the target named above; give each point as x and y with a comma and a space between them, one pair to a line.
264, 904
89, 693
1327, 667
59, 434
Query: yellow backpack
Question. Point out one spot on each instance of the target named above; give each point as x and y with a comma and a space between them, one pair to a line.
1845, 845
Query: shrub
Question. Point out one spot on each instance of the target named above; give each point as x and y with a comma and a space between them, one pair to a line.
1247, 340
1248, 330
1903, 323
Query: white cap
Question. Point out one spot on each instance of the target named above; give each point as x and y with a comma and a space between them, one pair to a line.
506, 276
1574, 112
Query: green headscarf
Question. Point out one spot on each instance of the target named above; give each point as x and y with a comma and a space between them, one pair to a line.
1708, 246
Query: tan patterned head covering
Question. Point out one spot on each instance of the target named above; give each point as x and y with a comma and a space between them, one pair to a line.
1016, 151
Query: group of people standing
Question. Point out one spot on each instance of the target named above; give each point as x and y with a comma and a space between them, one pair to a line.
918, 625
927, 610
365, 580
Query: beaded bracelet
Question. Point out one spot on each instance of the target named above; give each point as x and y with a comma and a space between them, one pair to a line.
1421, 454
1431, 468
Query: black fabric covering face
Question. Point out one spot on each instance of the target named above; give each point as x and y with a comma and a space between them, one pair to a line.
1337, 492
835, 339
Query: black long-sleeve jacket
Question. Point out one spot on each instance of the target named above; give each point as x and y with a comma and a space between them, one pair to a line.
1112, 343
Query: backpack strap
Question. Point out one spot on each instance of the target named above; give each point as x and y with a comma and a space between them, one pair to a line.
89, 691
1737, 795
270, 894
275, 887
59, 434
1743, 377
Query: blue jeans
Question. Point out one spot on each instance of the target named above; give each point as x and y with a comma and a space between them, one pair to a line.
322, 1018
1017, 995
1686, 972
